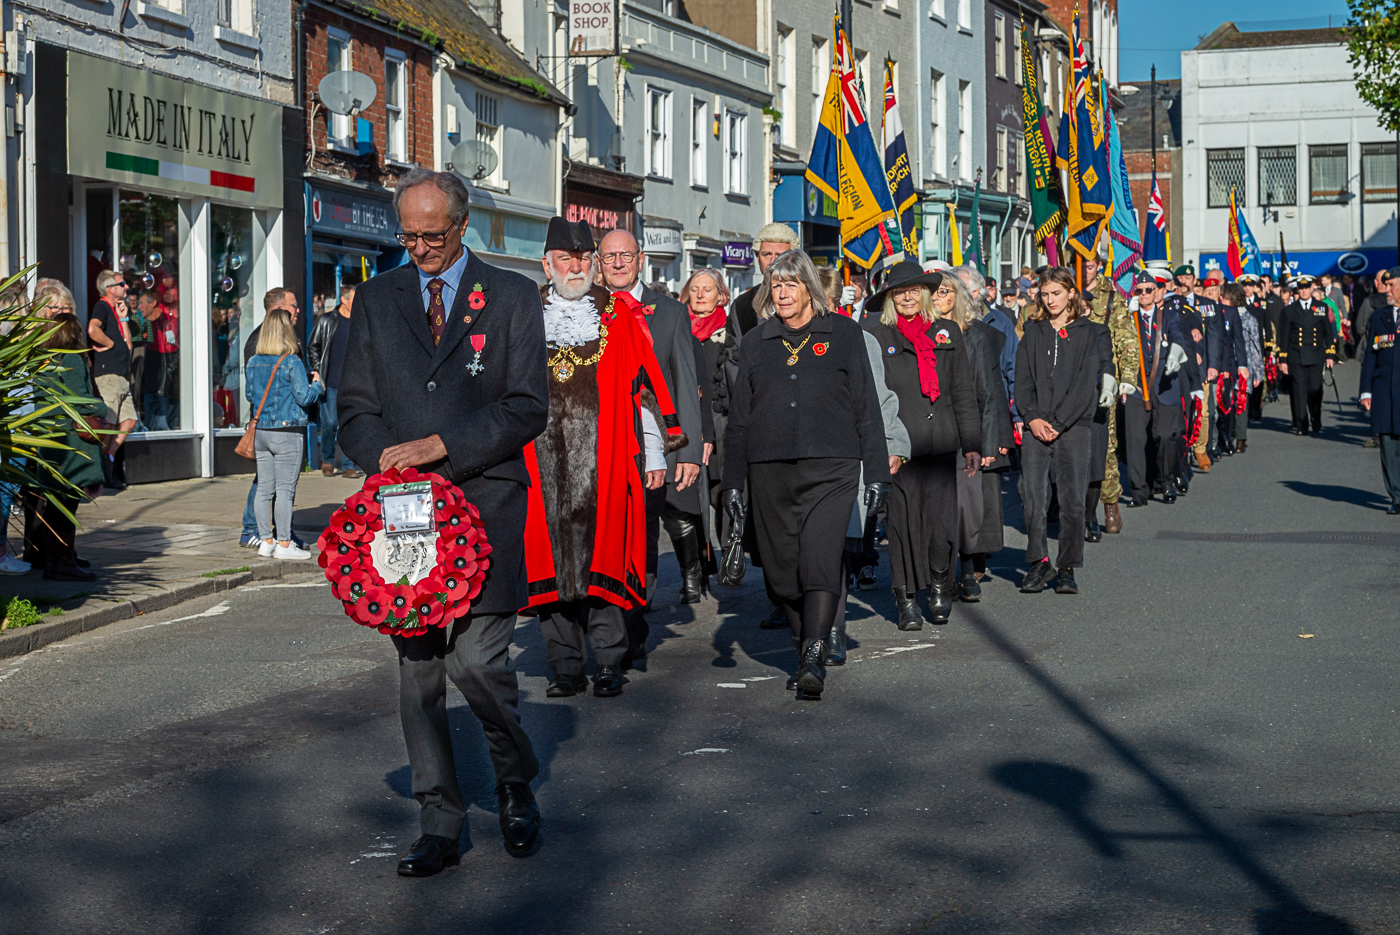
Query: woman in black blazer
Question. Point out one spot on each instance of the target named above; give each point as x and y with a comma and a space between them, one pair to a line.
1057, 376
803, 421
927, 367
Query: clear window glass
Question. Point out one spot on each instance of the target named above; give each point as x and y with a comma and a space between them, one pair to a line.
232, 310
149, 259
1328, 173
1224, 171
1377, 171
1278, 175
394, 99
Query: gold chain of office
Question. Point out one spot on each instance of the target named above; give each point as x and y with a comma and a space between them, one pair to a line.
564, 363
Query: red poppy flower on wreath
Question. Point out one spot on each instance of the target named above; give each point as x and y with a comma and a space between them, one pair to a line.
398, 607
1064, 332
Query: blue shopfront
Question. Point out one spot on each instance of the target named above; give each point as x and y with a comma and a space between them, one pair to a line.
809, 211
1358, 263
350, 237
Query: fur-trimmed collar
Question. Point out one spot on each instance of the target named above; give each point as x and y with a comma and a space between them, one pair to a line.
572, 322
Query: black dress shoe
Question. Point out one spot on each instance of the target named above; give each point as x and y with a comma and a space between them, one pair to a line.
607, 682
1394, 510
566, 686
865, 578
65, 570
968, 588
910, 617
811, 673
1169, 493
520, 818
1213, 453
1137, 501
1297, 431
1037, 577
940, 595
1092, 532
836, 646
777, 620
429, 855
692, 579
1064, 582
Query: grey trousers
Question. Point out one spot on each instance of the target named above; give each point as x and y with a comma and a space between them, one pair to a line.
563, 626
475, 654
1065, 463
279, 466
1390, 466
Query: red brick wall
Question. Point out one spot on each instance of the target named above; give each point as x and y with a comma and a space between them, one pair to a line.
367, 46
1063, 12
1140, 181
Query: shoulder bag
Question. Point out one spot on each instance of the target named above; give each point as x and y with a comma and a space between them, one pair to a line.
244, 448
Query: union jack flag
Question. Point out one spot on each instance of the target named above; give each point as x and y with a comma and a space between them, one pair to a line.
1154, 242
1155, 213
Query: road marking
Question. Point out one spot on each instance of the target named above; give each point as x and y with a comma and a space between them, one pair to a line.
731, 685
705, 751
222, 607
303, 584
758, 678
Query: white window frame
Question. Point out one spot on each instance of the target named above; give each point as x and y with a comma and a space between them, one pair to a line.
657, 137
938, 128
488, 130
1016, 53
965, 130
736, 152
938, 9
999, 173
999, 44
396, 110
699, 142
821, 71
340, 128
965, 15
236, 15
785, 74
1022, 186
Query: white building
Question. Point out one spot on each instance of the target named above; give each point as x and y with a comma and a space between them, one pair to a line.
1276, 115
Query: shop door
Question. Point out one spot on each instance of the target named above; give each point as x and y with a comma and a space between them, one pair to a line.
232, 309
147, 233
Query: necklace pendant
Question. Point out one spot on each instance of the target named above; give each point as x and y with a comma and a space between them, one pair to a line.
563, 371
792, 361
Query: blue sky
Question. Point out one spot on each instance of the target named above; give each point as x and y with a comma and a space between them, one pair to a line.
1155, 32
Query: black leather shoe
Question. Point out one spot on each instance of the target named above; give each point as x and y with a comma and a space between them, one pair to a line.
968, 589
1169, 493
692, 580
607, 682
429, 855
692, 570
940, 596
910, 617
836, 646
1092, 532
1394, 510
1137, 502
811, 673
1036, 578
1064, 582
566, 686
865, 578
520, 818
66, 570
777, 620
1297, 431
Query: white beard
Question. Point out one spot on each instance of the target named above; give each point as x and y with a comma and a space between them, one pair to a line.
570, 322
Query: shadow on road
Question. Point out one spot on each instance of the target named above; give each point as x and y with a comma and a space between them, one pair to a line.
1068, 791
1336, 493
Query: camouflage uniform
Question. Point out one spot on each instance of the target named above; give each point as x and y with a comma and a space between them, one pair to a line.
1107, 307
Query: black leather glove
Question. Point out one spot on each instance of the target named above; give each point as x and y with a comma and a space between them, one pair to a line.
733, 503
875, 495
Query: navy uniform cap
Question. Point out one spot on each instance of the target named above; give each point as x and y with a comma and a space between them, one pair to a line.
1392, 273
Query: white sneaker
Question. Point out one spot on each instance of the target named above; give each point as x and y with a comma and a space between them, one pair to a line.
9, 565
266, 548
291, 554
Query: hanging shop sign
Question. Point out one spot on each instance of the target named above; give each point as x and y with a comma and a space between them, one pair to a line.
662, 241
593, 27
352, 214
133, 126
738, 254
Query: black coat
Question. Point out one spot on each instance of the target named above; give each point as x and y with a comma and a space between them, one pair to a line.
1305, 335
741, 311
984, 345
948, 424
675, 349
397, 387
825, 406
1227, 349
1071, 397
1157, 334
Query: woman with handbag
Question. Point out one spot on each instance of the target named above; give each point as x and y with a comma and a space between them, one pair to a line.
803, 423
80, 464
278, 431
927, 367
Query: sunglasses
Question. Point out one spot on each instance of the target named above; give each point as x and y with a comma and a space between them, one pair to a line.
1146, 291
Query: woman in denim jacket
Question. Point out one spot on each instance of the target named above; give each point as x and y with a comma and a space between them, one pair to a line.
281, 431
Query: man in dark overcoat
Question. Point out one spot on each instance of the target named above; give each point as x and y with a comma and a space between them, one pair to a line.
445, 371
1307, 344
1380, 385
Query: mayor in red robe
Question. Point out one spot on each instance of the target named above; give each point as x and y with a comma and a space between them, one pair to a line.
585, 534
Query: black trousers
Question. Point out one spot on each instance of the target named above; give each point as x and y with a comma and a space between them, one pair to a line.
1156, 435
475, 654
800, 513
1305, 395
565, 625
1223, 423
54, 534
1064, 463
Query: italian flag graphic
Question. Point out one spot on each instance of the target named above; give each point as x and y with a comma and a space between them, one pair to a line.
179, 172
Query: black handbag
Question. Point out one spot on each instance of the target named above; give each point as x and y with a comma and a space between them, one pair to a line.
731, 567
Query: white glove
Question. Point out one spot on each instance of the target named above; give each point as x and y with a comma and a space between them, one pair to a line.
1133, 304
1200, 395
1126, 389
848, 295
1108, 390
1175, 358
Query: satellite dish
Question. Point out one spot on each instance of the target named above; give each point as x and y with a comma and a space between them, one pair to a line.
346, 92
473, 159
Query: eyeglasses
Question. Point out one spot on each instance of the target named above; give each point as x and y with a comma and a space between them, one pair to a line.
943, 291
408, 239
1148, 291
611, 258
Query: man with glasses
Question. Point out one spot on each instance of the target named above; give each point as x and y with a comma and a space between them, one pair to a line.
678, 505
1152, 419
445, 371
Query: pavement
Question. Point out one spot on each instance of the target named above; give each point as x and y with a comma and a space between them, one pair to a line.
1202, 740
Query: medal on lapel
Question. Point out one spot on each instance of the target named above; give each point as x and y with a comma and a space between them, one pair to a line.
478, 342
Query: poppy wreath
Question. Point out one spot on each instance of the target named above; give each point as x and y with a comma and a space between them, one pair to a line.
399, 607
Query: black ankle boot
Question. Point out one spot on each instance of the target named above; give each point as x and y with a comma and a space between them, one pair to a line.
811, 672
940, 596
792, 679
968, 588
692, 572
836, 646
908, 605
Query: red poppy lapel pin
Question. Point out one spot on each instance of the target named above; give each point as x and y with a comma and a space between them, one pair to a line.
820, 349
476, 299
1064, 332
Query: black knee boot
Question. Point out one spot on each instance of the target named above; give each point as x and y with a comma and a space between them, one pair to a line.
687, 546
940, 595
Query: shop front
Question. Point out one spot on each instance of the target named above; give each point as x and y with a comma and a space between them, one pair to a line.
350, 237
808, 211
737, 256
605, 199
178, 187
661, 242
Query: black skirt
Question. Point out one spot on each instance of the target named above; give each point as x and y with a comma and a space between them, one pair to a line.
923, 519
800, 510
992, 535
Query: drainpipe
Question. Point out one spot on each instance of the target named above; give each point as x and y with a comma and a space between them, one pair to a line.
4, 157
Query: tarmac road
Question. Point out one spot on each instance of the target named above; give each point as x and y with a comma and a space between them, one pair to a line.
1162, 753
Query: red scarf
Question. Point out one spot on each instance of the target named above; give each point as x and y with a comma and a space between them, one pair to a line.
702, 326
640, 313
618, 570
915, 331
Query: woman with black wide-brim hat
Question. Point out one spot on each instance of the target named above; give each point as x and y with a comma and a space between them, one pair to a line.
927, 367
